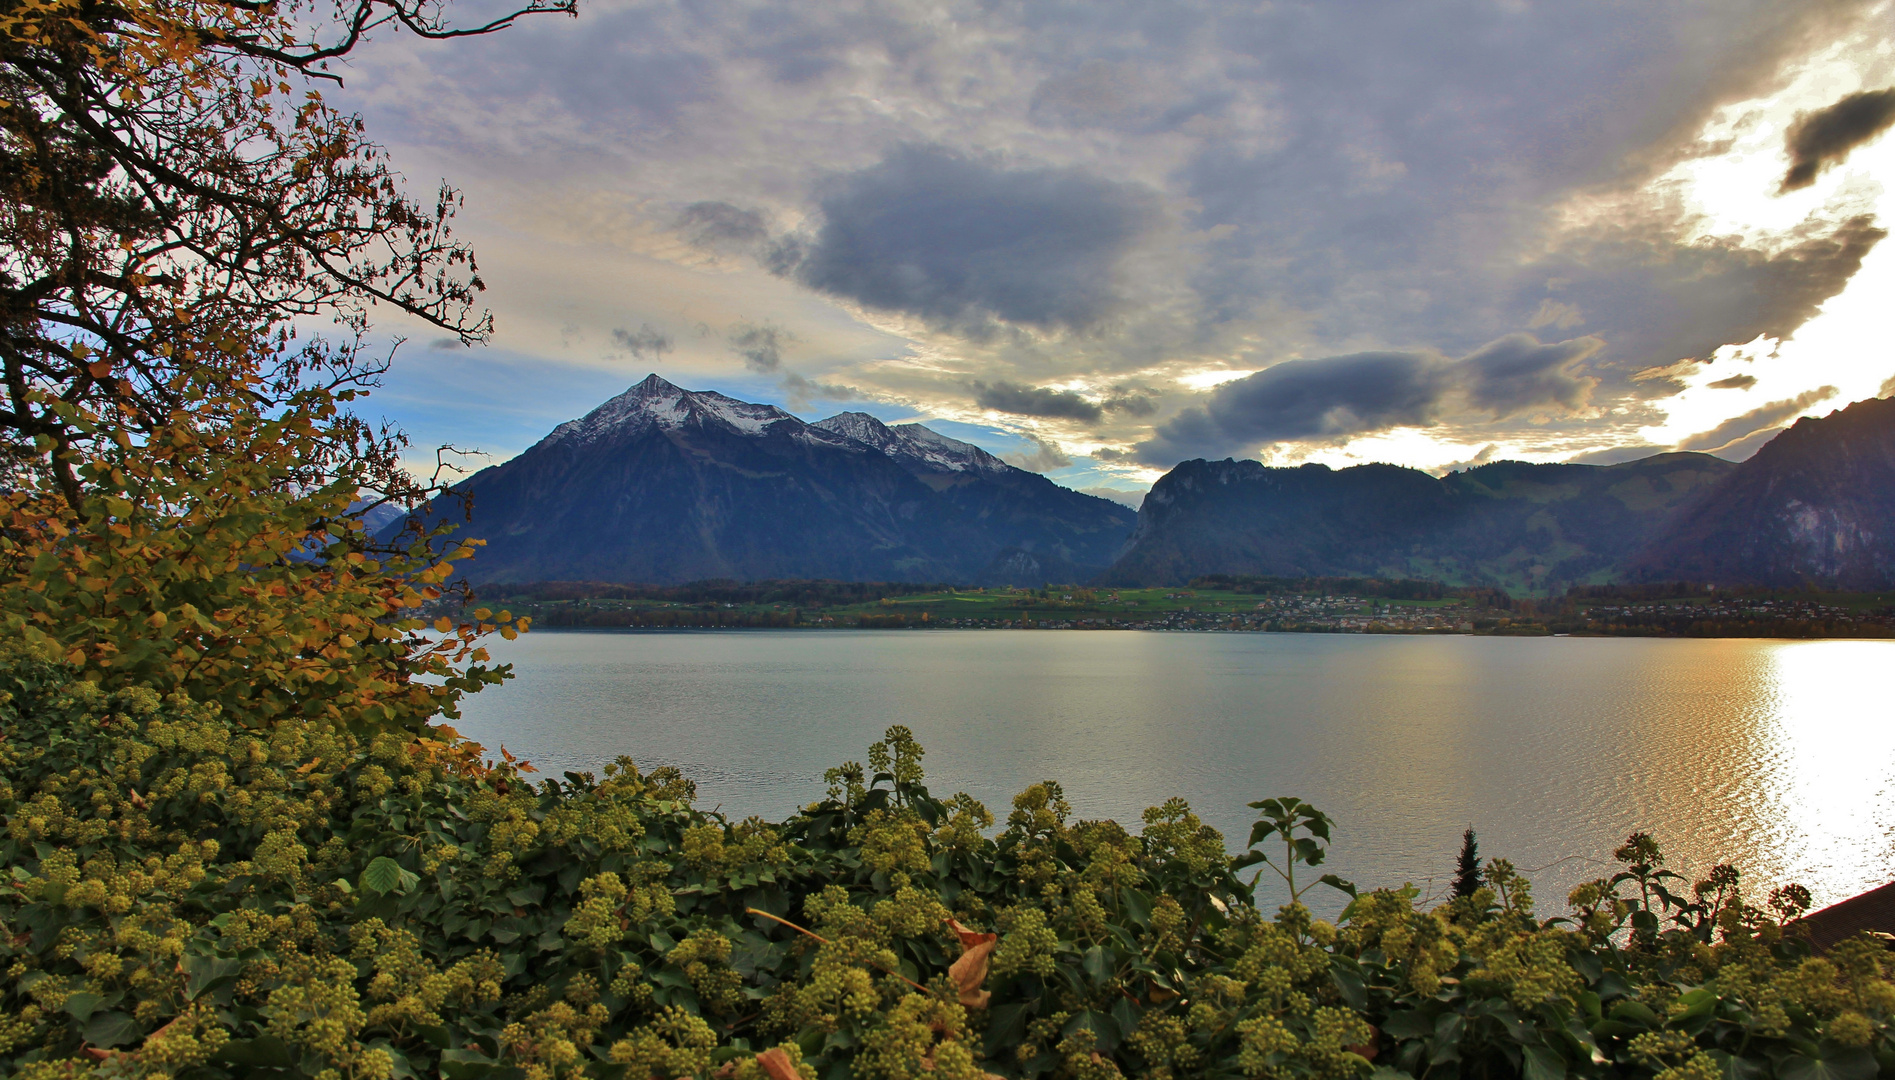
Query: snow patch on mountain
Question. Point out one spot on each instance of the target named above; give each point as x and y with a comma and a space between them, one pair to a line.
913, 445
658, 404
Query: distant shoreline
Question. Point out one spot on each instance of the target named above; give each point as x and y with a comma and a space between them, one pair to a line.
1226, 604
931, 628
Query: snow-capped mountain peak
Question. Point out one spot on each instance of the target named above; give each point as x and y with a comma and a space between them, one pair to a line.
655, 403
913, 445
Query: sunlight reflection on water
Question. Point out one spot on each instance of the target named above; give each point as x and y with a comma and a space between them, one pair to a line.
1776, 756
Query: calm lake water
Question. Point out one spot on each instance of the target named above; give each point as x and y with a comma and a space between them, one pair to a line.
1777, 756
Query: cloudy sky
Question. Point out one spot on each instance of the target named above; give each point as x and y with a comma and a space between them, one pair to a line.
1109, 235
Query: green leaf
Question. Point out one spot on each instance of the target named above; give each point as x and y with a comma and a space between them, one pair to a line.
82, 1005
1446, 1044
266, 1051
1737, 1068
384, 875
1006, 1026
112, 1028
1544, 1063
1408, 1024
1137, 905
1349, 983
474, 1065
204, 973
1837, 1065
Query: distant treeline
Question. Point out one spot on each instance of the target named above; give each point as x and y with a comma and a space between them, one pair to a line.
1676, 590
689, 618
1381, 588
800, 592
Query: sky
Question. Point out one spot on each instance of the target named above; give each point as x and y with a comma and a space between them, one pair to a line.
1103, 237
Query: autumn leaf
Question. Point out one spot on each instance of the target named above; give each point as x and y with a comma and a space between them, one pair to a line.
968, 972
777, 1064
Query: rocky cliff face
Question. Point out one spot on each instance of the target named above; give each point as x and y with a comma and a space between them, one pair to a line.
1816, 505
1527, 528
665, 485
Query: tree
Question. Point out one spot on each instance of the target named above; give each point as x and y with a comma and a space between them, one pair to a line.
1467, 867
176, 191
185, 479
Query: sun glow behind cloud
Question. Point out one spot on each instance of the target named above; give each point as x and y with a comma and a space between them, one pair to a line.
1841, 355
1734, 193
1108, 227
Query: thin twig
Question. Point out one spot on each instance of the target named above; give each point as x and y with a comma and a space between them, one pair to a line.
826, 941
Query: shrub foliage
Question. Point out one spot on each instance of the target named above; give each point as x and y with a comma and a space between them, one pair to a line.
192, 896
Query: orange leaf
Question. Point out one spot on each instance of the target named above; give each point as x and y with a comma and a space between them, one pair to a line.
970, 970
777, 1064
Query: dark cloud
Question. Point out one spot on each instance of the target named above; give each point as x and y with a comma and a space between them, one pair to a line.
959, 240
1517, 373
1131, 400
624, 71
444, 344
1097, 94
1735, 382
1341, 177
760, 346
1341, 396
1321, 399
1762, 418
1404, 172
1670, 301
645, 343
1823, 138
719, 226
1036, 401
800, 393
1045, 457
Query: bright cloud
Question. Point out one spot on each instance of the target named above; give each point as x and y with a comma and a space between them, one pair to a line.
1116, 234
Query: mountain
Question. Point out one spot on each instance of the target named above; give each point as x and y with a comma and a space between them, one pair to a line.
1528, 528
662, 485
1815, 505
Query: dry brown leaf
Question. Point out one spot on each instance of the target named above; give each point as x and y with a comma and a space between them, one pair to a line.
968, 972
1367, 1049
777, 1064
969, 938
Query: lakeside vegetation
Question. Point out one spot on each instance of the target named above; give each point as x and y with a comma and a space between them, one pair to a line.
1219, 603
197, 898
239, 842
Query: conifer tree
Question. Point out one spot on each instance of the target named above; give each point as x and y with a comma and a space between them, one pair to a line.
1467, 868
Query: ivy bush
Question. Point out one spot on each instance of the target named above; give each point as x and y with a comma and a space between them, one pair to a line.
189, 896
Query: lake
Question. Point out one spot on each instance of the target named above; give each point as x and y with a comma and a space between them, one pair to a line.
1777, 756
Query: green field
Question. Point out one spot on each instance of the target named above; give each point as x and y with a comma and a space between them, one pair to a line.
946, 607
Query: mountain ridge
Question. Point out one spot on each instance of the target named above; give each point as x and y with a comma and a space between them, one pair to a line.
1524, 527
1814, 506
663, 485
